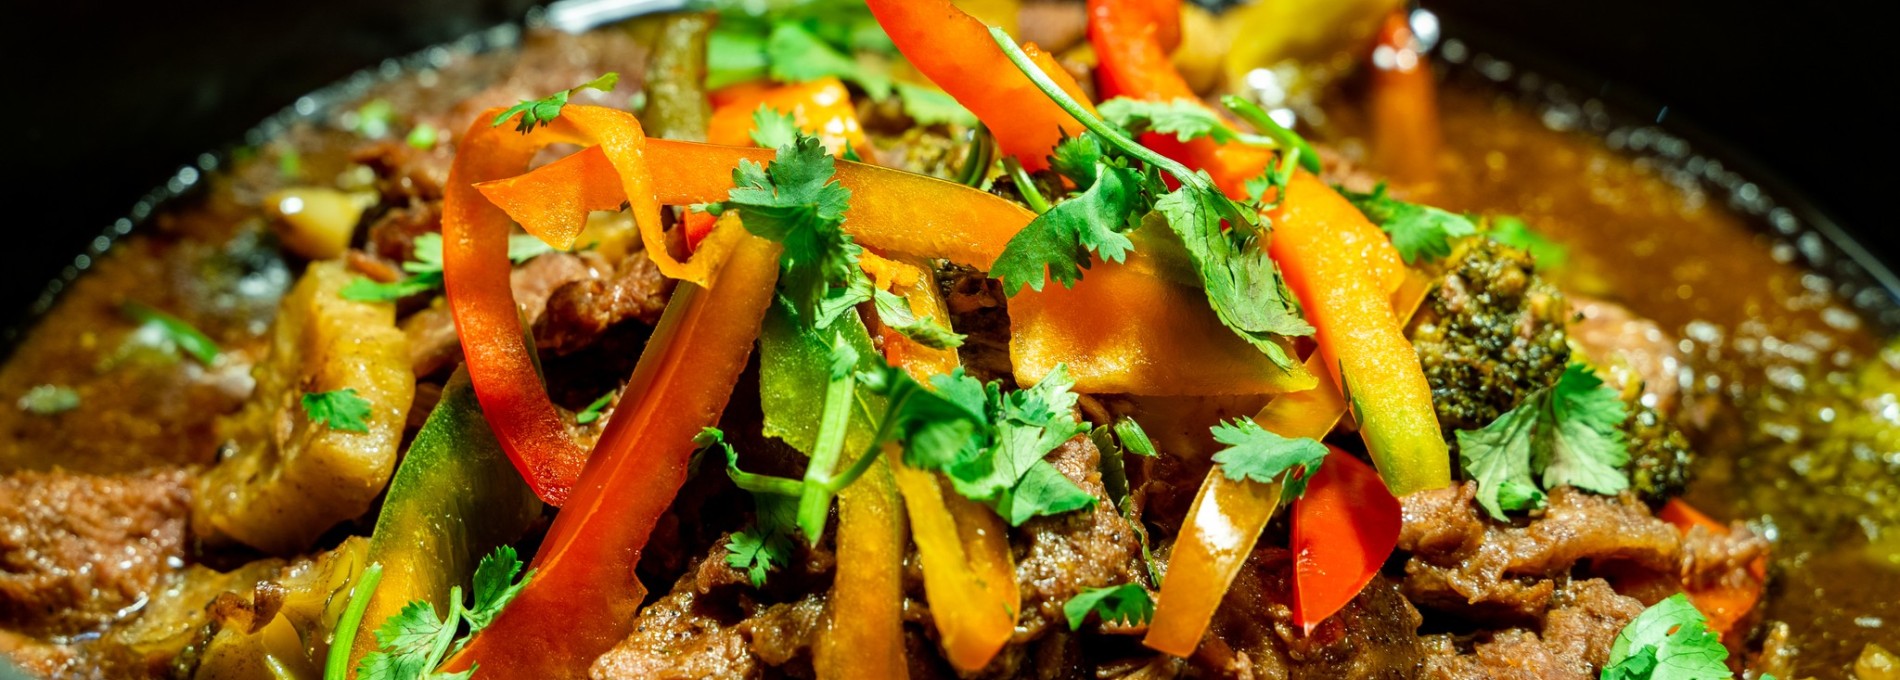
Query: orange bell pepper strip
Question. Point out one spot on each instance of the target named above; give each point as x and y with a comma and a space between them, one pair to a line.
1344, 527
584, 596
1403, 105
821, 107
1227, 516
1724, 603
1323, 246
969, 576
1130, 329
475, 277
955, 51
1134, 63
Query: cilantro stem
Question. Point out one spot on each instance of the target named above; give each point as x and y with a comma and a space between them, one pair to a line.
814, 504
982, 155
1188, 178
187, 338
753, 482
1284, 138
336, 665
1026, 186
450, 626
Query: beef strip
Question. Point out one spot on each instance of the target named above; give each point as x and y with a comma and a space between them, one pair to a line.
1060, 556
580, 311
80, 551
1575, 639
434, 347
1464, 564
1253, 634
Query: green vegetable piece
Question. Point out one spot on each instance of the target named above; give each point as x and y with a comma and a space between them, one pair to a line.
796, 202
538, 112
592, 412
766, 546
174, 331
772, 128
1127, 603
895, 313
342, 410
1253, 452
1061, 239
931, 106
1418, 231
1567, 433
797, 55
374, 118
1134, 438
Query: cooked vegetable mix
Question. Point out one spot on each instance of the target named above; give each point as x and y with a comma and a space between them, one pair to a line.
922, 338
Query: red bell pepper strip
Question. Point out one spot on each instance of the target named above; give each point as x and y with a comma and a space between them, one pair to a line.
1227, 516
1324, 247
955, 51
821, 107
1344, 527
1134, 63
583, 597
1403, 105
1725, 603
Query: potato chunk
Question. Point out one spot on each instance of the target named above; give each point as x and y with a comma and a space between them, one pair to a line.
284, 480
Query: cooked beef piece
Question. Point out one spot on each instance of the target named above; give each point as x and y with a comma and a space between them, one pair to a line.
581, 310
1489, 334
403, 171
976, 305
433, 345
1575, 638
1254, 636
80, 551
1058, 557
392, 235
1634, 352
1465, 564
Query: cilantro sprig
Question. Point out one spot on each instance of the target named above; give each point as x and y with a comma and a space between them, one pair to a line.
173, 332
1420, 232
342, 410
412, 643
1252, 452
1242, 283
1668, 641
539, 112
1565, 434
1127, 603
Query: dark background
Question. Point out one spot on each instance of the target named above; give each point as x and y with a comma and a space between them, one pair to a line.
108, 100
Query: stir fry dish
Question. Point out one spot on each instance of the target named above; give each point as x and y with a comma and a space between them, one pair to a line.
932, 339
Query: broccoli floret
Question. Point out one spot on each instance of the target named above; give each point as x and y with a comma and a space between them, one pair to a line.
1490, 333
1659, 454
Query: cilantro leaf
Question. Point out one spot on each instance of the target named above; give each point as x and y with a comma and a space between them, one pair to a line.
364, 289
939, 428
174, 332
1076, 158
48, 400
1134, 438
592, 412
537, 112
931, 106
895, 313
772, 128
1186, 119
766, 546
1565, 434
1126, 603
1061, 240
1012, 477
1512, 231
1253, 452
341, 410
1668, 641
1418, 231
796, 55
1243, 284
495, 587
795, 201
425, 270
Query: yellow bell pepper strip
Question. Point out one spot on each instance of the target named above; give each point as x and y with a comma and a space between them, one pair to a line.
969, 575
1324, 247
583, 597
454, 498
1227, 516
821, 107
1130, 329
1344, 527
955, 51
1402, 101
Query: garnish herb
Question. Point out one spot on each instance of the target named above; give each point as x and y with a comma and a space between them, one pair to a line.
1420, 232
49, 400
423, 136
1253, 452
341, 410
412, 643
1125, 436
1243, 284
425, 271
895, 313
537, 112
1127, 603
1669, 641
1134, 438
592, 412
767, 544
173, 331
1513, 231
772, 128
1060, 239
1566, 434
374, 118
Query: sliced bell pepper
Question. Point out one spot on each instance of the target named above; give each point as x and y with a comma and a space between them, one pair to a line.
1323, 246
583, 597
821, 107
453, 499
1227, 516
1724, 603
969, 576
955, 51
1134, 63
1403, 105
1130, 329
1344, 527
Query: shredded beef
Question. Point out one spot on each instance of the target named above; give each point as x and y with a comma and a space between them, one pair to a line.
433, 345
1464, 564
80, 551
580, 311
1253, 634
1058, 557
1574, 640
